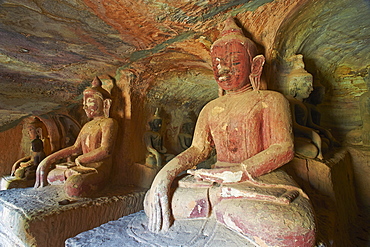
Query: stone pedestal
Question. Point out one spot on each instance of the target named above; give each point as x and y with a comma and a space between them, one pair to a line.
330, 186
46, 217
132, 231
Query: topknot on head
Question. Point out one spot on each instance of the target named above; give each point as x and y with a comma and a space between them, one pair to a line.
233, 33
231, 28
96, 82
97, 89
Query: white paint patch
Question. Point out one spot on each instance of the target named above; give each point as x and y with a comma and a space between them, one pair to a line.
224, 126
230, 192
217, 110
231, 177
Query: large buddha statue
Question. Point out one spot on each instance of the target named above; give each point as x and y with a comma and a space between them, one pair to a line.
92, 151
252, 133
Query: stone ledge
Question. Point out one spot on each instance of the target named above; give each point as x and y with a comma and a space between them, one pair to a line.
32, 217
132, 231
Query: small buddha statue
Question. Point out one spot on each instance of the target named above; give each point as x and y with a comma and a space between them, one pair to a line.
157, 154
185, 136
91, 153
25, 168
307, 140
251, 131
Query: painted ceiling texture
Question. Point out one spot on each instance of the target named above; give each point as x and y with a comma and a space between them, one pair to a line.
51, 50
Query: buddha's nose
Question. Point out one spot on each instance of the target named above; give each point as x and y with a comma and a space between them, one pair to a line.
223, 70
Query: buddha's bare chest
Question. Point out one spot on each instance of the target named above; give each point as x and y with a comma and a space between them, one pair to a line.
236, 115
91, 136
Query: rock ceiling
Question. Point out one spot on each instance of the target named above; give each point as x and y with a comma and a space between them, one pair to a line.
50, 50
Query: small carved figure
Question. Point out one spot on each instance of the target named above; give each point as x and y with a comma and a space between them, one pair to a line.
252, 133
93, 148
157, 154
186, 134
25, 167
307, 139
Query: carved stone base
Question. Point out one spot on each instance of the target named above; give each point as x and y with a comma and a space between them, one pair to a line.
46, 217
132, 231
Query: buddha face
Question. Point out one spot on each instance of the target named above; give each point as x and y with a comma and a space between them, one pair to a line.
32, 133
156, 124
231, 65
302, 86
93, 105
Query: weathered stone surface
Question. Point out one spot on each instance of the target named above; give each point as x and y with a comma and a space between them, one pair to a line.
47, 217
133, 231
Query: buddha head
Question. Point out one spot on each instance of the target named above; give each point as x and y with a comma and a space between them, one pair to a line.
96, 100
155, 122
300, 82
236, 65
35, 128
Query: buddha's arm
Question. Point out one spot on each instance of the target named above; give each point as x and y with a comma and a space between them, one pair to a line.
279, 149
109, 133
45, 165
157, 199
18, 162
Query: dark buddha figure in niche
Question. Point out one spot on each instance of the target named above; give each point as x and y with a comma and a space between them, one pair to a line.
25, 168
185, 136
311, 140
91, 152
252, 133
157, 155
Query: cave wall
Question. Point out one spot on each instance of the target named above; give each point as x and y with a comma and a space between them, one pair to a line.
175, 75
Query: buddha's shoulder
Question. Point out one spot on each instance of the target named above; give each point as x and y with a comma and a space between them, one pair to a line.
260, 95
272, 94
106, 121
266, 93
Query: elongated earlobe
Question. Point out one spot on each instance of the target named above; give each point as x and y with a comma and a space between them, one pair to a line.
107, 104
256, 71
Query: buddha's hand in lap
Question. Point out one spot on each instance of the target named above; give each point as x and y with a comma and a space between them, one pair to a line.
220, 175
157, 207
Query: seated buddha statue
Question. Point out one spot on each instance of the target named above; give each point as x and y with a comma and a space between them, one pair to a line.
92, 150
25, 167
311, 140
307, 141
251, 131
157, 154
185, 136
